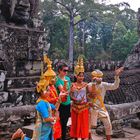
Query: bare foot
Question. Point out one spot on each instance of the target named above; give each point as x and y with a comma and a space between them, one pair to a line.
17, 134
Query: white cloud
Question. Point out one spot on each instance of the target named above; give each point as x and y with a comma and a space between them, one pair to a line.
134, 4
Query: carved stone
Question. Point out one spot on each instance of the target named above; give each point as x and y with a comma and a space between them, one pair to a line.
118, 113
135, 124
19, 46
133, 59
138, 16
19, 12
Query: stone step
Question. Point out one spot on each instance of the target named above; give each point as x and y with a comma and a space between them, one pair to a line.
22, 89
21, 82
134, 135
13, 27
22, 77
28, 130
135, 124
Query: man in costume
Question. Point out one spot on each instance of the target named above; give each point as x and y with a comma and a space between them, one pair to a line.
97, 89
80, 106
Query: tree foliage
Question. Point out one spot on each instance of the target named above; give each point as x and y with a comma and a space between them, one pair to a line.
97, 30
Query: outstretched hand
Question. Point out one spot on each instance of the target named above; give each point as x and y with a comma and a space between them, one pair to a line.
73, 88
119, 71
63, 94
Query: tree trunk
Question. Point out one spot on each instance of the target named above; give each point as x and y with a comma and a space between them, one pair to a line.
71, 38
83, 39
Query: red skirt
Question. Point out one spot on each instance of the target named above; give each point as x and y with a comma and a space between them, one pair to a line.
80, 124
57, 129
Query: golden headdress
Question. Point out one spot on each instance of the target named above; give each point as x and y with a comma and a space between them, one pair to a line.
45, 77
80, 66
97, 73
49, 72
41, 85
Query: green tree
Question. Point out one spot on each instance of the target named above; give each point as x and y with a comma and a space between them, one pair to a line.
76, 11
98, 30
123, 41
106, 33
57, 26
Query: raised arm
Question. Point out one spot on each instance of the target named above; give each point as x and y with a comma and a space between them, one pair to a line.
115, 85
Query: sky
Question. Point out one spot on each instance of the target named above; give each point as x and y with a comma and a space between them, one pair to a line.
134, 4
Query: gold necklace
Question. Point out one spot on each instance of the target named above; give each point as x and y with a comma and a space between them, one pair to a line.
79, 87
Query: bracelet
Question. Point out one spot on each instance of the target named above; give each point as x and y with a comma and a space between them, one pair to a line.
59, 100
54, 121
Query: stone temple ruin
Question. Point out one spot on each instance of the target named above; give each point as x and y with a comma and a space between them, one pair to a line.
22, 45
23, 40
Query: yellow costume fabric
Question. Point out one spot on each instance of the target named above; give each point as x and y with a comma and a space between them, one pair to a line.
99, 111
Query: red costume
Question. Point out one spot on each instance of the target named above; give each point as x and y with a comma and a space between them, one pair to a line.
53, 98
80, 115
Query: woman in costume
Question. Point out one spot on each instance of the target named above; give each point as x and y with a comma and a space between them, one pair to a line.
97, 90
45, 122
53, 97
80, 106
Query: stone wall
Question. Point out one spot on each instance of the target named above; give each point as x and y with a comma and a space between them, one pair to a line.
21, 51
13, 118
133, 59
129, 87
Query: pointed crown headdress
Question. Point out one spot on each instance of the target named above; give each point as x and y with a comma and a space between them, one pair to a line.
80, 66
44, 80
49, 72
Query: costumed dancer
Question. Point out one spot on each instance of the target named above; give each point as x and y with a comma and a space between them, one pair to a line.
62, 85
53, 97
44, 116
79, 106
97, 89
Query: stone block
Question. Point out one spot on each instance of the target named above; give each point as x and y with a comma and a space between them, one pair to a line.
119, 134
33, 72
21, 73
36, 65
28, 130
135, 124
5, 105
3, 97
28, 66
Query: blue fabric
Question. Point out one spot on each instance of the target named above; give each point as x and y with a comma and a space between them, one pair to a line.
43, 108
46, 132
26, 138
43, 130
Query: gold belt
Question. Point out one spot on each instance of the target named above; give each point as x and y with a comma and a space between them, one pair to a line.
79, 108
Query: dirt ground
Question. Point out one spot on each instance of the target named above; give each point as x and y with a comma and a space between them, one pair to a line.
130, 133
